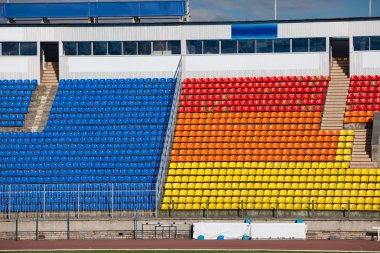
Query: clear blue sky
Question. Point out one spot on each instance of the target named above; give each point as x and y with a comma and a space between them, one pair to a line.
219, 10
286, 9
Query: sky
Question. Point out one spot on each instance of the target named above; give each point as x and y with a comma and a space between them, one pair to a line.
235, 10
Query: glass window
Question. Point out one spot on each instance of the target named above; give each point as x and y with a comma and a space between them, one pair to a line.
174, 46
246, 46
317, 44
194, 46
361, 43
70, 48
130, 48
300, 45
114, 48
100, 48
28, 48
211, 47
144, 48
228, 46
264, 46
10, 48
159, 45
282, 45
84, 48
375, 43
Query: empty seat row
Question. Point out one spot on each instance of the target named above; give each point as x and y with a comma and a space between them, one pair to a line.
266, 79
365, 78
270, 166
226, 115
264, 96
76, 179
118, 81
274, 108
236, 91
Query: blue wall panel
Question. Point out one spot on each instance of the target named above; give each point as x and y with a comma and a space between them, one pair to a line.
93, 9
254, 31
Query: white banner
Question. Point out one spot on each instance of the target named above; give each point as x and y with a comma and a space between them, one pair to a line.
276, 231
211, 231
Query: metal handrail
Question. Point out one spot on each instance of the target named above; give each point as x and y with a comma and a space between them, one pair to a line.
165, 157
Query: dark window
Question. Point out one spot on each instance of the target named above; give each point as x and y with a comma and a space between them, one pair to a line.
114, 48
145, 48
246, 46
194, 46
282, 46
361, 43
228, 46
28, 48
10, 48
130, 48
159, 45
317, 44
174, 46
84, 48
264, 46
211, 47
100, 48
70, 48
300, 45
375, 43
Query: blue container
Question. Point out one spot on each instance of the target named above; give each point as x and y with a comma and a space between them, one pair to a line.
220, 238
201, 237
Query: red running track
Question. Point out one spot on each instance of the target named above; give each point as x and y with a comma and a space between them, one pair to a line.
325, 245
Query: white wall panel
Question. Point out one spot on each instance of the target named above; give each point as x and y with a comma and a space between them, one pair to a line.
257, 65
19, 68
365, 63
11, 33
328, 29
118, 67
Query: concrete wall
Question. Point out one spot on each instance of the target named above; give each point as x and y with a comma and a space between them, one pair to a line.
125, 229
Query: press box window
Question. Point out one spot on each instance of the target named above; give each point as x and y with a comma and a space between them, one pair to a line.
246, 46
211, 47
174, 46
70, 48
361, 43
130, 48
264, 46
300, 45
10, 48
228, 46
375, 43
281, 46
317, 44
28, 48
194, 46
114, 48
144, 48
84, 48
99, 48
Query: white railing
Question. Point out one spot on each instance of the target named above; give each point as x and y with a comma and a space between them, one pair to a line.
165, 157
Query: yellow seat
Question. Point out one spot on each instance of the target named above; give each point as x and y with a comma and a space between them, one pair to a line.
349, 138
342, 138
343, 132
197, 206
247, 165
351, 132
349, 145
173, 165
210, 165
232, 165
165, 206
314, 165
202, 165
284, 165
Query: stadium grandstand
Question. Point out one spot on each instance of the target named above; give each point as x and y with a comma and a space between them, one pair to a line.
186, 119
